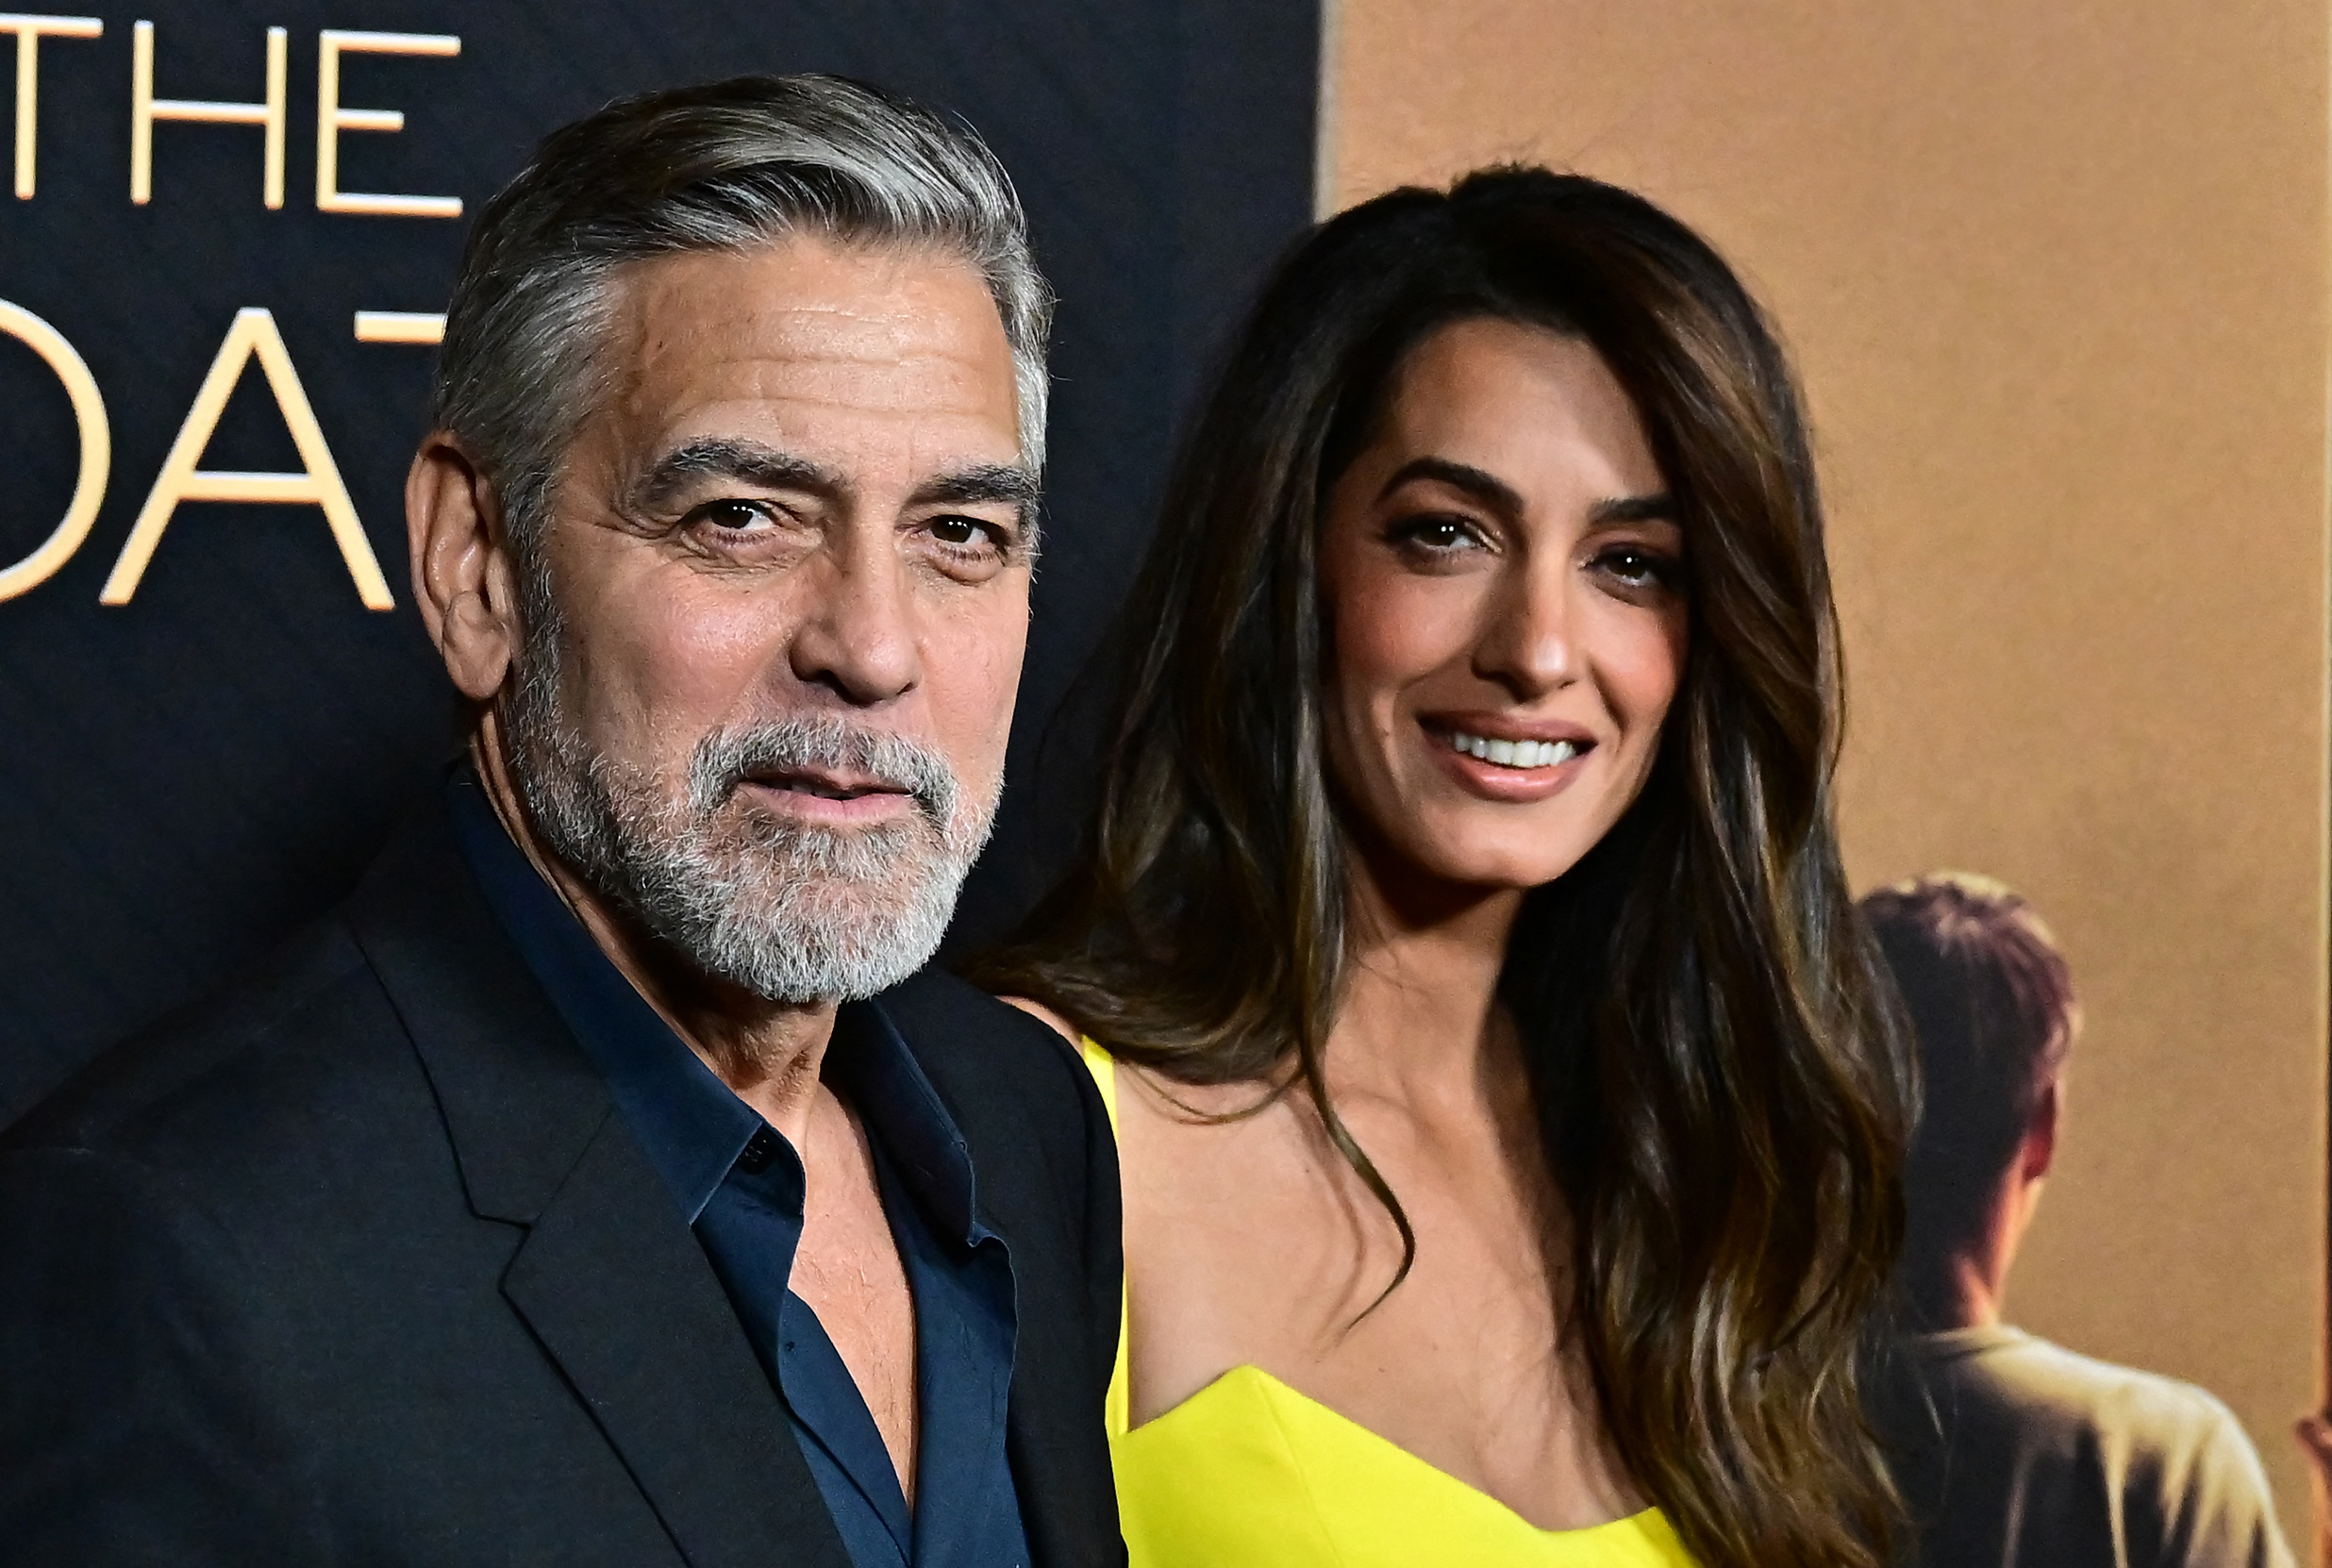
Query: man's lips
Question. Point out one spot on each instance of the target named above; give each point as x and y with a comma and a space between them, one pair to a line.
827, 785
830, 798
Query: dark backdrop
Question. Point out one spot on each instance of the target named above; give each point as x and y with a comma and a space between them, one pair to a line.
184, 778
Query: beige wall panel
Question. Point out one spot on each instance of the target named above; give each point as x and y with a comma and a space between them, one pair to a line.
2055, 276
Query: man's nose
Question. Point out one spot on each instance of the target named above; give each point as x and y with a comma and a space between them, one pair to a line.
856, 637
1527, 645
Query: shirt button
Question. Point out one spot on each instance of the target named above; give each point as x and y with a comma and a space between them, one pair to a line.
758, 1152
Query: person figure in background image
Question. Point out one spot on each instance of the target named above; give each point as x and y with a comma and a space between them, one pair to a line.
2012, 1450
1510, 1111
603, 1184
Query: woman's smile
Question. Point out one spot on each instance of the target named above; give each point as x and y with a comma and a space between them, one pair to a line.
1510, 760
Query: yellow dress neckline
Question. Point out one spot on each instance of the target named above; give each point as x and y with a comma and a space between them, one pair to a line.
1338, 1430
1251, 1471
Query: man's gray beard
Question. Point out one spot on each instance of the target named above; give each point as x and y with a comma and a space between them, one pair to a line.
791, 912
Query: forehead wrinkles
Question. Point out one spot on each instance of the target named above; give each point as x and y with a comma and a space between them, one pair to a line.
906, 331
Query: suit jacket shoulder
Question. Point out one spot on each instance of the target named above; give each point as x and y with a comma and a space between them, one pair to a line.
1045, 1167
243, 1101
1018, 1094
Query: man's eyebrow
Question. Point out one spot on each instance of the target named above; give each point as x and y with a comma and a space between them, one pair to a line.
981, 484
764, 467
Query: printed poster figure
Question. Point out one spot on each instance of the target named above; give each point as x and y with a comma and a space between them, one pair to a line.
2012, 1450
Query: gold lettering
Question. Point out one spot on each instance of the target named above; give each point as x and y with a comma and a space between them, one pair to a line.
399, 327
145, 108
88, 412
318, 485
331, 120
29, 30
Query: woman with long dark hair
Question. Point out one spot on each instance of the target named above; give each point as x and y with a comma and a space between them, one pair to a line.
1509, 1116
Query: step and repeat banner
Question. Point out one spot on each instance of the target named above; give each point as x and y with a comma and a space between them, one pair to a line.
231, 230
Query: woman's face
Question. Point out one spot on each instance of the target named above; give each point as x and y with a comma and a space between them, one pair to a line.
1505, 579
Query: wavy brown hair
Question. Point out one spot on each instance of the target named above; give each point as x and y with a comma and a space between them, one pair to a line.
1723, 1087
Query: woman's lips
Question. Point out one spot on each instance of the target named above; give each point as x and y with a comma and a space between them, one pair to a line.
1524, 754
1509, 767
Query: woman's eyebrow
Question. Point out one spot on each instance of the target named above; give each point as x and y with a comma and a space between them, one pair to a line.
1482, 486
1658, 508
1495, 493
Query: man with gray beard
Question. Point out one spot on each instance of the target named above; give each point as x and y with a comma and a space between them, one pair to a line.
606, 1181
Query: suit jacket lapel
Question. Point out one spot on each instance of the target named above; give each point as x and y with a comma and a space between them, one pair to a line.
609, 1277
621, 1296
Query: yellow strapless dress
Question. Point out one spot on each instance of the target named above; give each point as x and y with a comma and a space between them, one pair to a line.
1249, 1473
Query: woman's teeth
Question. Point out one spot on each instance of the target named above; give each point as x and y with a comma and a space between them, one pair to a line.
1514, 754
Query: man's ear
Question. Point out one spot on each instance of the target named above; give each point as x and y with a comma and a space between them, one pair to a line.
2039, 1148
2315, 1433
462, 576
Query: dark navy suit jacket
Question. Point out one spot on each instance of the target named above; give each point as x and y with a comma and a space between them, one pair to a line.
358, 1265
742, 1188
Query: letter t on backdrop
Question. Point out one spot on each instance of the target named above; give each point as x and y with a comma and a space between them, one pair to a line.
29, 30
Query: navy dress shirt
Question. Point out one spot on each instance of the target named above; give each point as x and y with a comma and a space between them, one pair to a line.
739, 1185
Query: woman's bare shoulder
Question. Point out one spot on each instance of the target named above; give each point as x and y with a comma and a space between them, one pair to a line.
1046, 1016
1156, 1098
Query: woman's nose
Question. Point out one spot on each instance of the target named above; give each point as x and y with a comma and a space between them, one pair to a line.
1527, 644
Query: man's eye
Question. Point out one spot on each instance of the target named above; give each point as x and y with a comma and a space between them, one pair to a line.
733, 516
966, 532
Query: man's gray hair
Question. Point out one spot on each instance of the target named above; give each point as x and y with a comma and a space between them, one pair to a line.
723, 166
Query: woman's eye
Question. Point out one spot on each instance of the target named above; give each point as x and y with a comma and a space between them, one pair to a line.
1436, 535
1637, 567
